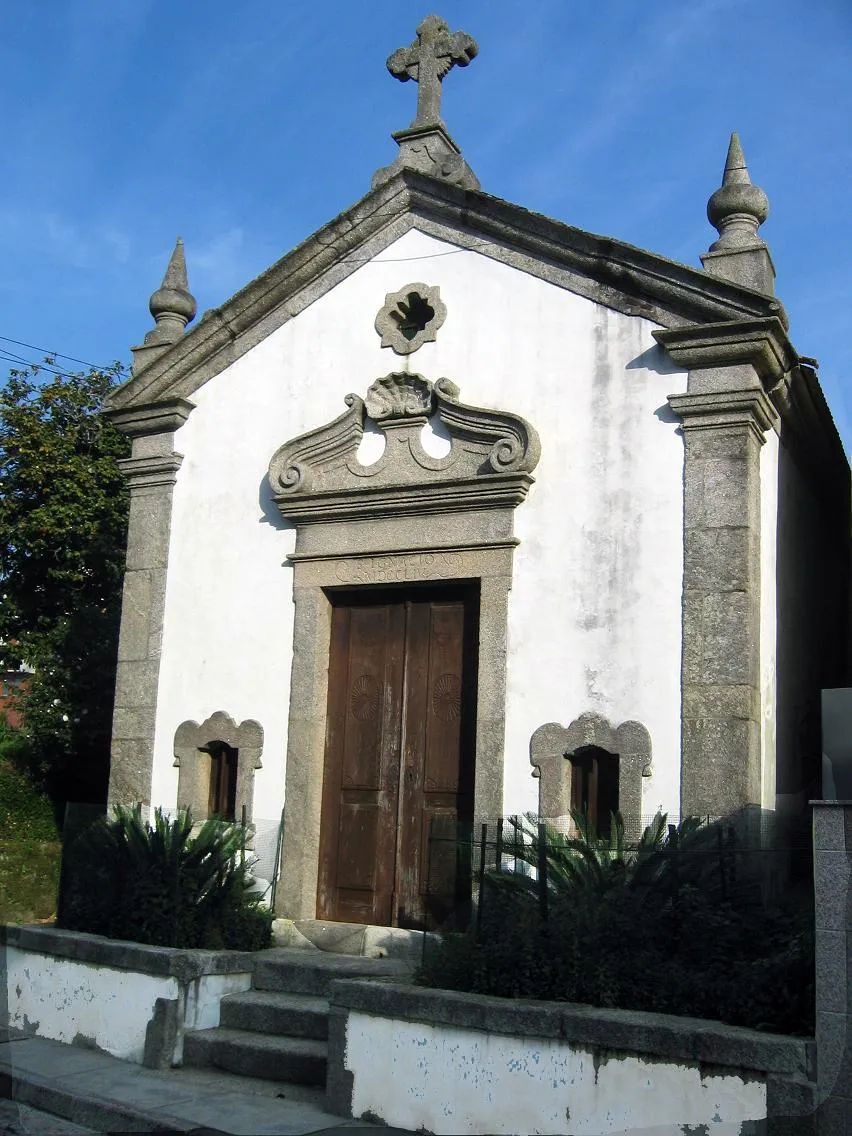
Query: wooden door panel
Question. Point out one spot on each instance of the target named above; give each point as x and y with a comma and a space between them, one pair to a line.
435, 782
361, 776
399, 757
444, 704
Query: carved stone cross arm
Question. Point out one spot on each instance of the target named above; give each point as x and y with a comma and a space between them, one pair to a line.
436, 51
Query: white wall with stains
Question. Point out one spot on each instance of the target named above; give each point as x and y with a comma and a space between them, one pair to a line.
447, 1080
106, 1007
595, 607
81, 1003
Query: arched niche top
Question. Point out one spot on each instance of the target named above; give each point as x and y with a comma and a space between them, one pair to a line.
192, 758
552, 744
220, 727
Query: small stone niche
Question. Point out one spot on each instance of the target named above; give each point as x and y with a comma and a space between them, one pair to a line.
217, 762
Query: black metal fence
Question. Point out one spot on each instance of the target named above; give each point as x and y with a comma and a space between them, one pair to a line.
751, 857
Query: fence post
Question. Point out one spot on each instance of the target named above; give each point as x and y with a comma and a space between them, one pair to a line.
542, 871
277, 865
498, 854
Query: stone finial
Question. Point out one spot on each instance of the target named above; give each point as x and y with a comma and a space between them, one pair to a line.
737, 209
426, 145
172, 306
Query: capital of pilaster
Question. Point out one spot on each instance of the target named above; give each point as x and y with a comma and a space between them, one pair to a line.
150, 472
154, 418
762, 343
749, 410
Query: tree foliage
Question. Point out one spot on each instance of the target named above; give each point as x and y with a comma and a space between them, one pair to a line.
63, 522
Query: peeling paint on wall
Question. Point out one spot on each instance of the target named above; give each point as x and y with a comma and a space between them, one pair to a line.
448, 1080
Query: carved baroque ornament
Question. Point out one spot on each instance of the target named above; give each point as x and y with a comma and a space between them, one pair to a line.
411, 317
317, 476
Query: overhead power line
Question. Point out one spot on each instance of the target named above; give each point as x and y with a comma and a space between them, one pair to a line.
53, 354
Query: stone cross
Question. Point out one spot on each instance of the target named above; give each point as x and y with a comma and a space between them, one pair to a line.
427, 61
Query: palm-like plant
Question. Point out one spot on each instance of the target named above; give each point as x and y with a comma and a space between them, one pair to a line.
158, 883
583, 860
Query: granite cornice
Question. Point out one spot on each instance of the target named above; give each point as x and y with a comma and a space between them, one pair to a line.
762, 343
792, 386
606, 270
648, 283
225, 333
153, 418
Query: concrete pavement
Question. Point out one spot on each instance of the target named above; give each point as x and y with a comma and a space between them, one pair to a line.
99, 1093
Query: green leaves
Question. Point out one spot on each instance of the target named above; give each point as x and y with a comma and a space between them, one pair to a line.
690, 920
158, 883
63, 520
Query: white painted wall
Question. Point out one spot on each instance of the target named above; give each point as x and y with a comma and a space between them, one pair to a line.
443, 1079
595, 611
204, 994
768, 614
60, 999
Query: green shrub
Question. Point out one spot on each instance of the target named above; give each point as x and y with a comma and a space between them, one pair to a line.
659, 928
29, 843
25, 813
161, 885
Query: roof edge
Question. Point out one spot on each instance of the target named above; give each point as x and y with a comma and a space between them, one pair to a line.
609, 271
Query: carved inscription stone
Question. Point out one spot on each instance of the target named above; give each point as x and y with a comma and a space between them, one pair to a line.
398, 569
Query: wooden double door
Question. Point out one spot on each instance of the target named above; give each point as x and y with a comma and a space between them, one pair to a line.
399, 756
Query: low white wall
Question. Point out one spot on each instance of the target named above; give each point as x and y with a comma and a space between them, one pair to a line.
78, 1002
444, 1079
89, 990
204, 995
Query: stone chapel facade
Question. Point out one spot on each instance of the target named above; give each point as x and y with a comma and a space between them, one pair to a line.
458, 511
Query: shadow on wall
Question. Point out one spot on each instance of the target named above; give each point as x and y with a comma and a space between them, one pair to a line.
655, 359
270, 513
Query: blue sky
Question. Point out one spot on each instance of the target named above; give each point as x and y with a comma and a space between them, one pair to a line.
245, 127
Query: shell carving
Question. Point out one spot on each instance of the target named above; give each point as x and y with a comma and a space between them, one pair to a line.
399, 396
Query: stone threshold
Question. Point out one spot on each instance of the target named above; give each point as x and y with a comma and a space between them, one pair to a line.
364, 940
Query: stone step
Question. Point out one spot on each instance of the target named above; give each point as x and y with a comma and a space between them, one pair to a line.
274, 1011
309, 972
300, 1061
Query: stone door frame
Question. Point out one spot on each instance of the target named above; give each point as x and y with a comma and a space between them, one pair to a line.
314, 579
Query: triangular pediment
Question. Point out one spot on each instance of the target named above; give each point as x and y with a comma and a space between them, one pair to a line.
607, 271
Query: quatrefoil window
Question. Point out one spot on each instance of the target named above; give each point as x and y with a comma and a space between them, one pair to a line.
410, 317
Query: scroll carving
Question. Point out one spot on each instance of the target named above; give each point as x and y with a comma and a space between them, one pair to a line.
317, 475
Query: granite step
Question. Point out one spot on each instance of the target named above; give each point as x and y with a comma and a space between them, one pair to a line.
277, 1012
297, 1060
302, 972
